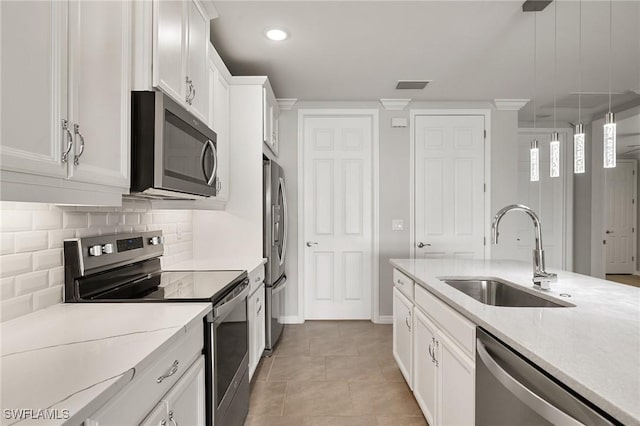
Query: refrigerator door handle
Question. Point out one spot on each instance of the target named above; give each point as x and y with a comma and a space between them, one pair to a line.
285, 214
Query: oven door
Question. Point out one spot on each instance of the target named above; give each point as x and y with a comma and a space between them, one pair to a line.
189, 155
230, 336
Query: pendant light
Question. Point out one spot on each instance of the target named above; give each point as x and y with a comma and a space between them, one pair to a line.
554, 145
534, 152
610, 123
578, 134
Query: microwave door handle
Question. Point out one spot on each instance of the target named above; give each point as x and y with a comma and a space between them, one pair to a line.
202, 155
543, 408
214, 170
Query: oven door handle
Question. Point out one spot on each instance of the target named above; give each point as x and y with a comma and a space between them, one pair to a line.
220, 312
535, 402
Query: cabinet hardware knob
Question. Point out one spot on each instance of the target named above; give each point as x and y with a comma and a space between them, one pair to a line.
65, 127
171, 372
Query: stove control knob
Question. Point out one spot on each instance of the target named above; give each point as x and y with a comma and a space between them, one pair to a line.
154, 241
95, 250
107, 248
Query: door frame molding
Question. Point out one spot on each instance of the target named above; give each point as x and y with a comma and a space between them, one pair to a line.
566, 173
375, 169
486, 113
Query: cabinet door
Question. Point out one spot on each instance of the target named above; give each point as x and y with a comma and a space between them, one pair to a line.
260, 325
456, 384
170, 48
425, 379
251, 309
267, 110
219, 122
197, 31
157, 417
33, 91
186, 400
100, 90
402, 334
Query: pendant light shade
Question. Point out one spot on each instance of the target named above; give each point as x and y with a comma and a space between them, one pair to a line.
609, 141
534, 156
554, 155
578, 149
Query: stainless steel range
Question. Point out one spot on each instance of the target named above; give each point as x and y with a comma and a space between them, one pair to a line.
126, 268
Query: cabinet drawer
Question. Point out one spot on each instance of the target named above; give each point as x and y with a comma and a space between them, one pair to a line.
404, 283
455, 325
136, 400
256, 278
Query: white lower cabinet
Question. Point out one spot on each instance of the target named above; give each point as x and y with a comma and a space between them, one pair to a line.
256, 308
185, 402
435, 357
402, 334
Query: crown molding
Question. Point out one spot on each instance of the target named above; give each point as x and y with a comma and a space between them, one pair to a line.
394, 104
510, 104
286, 103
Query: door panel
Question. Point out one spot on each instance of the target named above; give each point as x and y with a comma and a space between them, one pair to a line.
449, 186
338, 217
100, 92
169, 66
33, 90
425, 370
620, 217
402, 335
456, 405
197, 54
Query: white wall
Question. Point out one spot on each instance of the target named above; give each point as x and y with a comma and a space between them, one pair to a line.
395, 185
31, 236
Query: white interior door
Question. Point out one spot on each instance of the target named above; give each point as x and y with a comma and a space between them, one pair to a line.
620, 217
546, 197
449, 186
338, 236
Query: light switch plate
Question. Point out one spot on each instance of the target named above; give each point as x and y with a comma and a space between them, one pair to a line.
397, 225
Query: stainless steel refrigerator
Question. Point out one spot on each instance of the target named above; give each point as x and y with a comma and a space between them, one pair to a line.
275, 249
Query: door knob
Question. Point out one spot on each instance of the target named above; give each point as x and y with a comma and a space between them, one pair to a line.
608, 232
421, 245
311, 243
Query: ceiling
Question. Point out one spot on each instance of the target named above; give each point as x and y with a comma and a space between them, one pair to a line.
472, 50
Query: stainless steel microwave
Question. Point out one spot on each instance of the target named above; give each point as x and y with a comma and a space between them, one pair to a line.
173, 154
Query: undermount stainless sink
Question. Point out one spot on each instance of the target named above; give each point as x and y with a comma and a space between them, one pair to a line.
491, 291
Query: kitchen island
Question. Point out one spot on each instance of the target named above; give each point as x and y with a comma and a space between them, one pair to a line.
592, 347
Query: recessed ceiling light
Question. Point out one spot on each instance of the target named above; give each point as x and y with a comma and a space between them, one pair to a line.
276, 34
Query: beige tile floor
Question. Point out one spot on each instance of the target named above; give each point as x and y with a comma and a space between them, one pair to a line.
332, 373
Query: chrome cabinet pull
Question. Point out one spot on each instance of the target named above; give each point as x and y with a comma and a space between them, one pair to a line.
406, 321
193, 91
163, 422
171, 419
65, 154
76, 158
435, 349
431, 352
259, 309
171, 372
190, 87
218, 185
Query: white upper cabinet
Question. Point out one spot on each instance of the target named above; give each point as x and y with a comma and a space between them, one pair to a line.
100, 90
271, 113
180, 40
65, 96
219, 122
33, 91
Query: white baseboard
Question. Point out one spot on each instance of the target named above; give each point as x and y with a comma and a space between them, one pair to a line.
293, 319
384, 319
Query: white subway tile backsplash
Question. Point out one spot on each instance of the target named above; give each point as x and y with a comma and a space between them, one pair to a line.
29, 283
75, 219
47, 219
47, 259
7, 243
15, 264
16, 307
7, 286
32, 241
13, 220
45, 298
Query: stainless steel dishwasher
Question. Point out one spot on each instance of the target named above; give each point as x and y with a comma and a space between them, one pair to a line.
511, 391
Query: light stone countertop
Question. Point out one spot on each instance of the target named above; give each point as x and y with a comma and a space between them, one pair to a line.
594, 347
219, 264
78, 356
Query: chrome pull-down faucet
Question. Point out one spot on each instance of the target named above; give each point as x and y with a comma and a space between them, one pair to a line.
541, 278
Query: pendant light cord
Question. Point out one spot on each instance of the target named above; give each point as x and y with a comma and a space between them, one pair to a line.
580, 62
610, 47
535, 68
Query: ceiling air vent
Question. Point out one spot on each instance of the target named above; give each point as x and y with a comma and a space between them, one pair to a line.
412, 84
